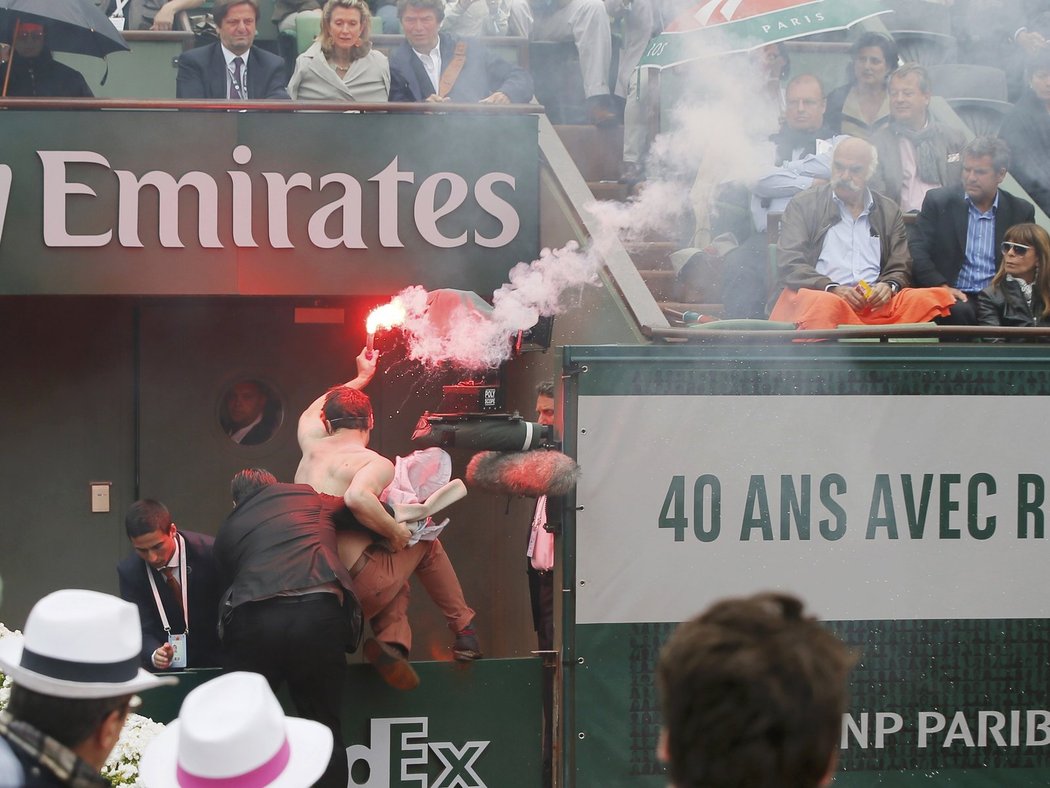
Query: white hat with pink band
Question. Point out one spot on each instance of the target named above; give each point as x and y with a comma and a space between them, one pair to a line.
232, 733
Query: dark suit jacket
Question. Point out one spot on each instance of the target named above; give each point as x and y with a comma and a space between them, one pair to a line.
938, 249
203, 593
202, 74
280, 538
483, 74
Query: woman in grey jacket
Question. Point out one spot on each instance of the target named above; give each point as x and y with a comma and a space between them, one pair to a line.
342, 65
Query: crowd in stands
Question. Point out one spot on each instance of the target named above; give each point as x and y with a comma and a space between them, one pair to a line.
882, 211
443, 56
917, 160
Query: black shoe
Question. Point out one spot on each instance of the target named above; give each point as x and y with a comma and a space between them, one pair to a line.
466, 648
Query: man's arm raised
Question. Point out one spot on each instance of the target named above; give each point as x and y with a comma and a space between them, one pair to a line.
311, 427
362, 498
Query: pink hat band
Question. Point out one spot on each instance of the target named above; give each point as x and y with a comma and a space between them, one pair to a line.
256, 778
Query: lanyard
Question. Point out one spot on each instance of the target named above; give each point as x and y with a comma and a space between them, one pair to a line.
182, 579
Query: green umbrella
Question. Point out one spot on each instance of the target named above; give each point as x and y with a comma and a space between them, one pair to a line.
722, 26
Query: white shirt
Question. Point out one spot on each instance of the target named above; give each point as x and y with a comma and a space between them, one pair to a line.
238, 436
432, 64
851, 250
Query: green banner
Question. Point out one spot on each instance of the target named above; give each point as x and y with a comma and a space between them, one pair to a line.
190, 202
743, 34
900, 491
930, 701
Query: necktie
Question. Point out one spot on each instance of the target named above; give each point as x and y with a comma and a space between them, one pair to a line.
173, 583
238, 78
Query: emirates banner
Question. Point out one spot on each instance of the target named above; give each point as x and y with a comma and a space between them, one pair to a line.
264, 203
902, 494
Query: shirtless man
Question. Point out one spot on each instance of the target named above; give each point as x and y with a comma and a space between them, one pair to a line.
333, 436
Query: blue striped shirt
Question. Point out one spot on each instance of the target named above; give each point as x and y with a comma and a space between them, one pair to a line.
981, 262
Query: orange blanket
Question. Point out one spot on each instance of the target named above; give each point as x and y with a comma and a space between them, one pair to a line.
817, 309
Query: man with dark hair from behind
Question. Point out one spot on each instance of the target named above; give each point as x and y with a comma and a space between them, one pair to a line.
289, 607
170, 571
753, 694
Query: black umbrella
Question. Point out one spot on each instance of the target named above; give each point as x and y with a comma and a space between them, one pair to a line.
76, 26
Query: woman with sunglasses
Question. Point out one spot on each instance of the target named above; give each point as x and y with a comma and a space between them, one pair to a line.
1019, 294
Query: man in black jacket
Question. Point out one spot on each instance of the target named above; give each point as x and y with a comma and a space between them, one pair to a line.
289, 600
432, 66
232, 68
959, 230
170, 571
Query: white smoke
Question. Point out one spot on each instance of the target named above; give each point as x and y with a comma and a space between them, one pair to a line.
719, 132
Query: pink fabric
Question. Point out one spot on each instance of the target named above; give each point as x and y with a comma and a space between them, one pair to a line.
818, 309
418, 476
256, 778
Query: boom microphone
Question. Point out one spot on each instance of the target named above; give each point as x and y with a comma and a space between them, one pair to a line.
495, 433
531, 473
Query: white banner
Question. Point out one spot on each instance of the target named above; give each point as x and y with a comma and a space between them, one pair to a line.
868, 507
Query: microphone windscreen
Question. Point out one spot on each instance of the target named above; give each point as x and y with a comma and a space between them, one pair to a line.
531, 473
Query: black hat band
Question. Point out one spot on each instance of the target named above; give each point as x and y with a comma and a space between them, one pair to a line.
85, 672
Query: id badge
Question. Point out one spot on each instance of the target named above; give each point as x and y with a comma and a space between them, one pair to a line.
178, 645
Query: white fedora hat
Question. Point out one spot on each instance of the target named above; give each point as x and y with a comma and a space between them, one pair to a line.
79, 644
231, 732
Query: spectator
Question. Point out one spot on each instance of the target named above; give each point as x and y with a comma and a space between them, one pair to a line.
232, 731
232, 68
861, 106
342, 65
34, 71
75, 674
959, 230
586, 24
999, 33
802, 159
1026, 129
843, 256
753, 693
169, 572
434, 66
474, 18
1019, 294
636, 131
916, 153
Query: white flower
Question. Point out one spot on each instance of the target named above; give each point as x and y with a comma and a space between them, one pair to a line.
122, 768
5, 682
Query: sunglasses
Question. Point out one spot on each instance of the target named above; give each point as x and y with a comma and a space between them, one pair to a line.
1010, 246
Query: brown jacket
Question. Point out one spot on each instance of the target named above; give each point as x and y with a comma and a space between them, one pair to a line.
806, 222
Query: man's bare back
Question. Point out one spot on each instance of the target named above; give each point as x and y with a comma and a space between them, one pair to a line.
337, 461
329, 464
